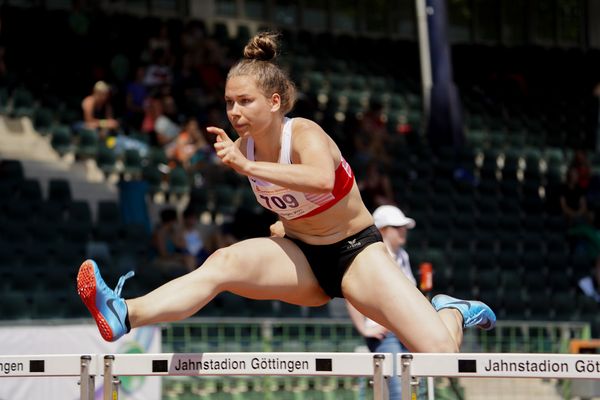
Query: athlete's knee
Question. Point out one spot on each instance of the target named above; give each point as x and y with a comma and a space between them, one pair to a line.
223, 258
225, 262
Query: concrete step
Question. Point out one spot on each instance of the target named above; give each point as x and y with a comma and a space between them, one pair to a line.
18, 140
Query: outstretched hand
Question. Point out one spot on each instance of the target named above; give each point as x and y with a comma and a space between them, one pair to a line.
228, 151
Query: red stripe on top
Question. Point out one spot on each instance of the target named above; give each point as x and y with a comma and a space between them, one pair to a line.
344, 180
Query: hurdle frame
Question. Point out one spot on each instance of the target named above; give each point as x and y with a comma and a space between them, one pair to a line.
495, 365
245, 364
378, 366
54, 365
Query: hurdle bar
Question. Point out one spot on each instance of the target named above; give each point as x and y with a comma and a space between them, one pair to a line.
495, 365
379, 366
53, 365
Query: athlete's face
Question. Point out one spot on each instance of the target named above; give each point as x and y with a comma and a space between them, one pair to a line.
248, 109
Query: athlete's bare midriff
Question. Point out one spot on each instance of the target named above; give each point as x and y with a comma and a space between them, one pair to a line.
344, 219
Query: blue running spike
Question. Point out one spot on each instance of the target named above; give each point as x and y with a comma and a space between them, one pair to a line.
474, 313
106, 305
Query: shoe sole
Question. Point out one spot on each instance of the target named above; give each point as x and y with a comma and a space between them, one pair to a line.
86, 288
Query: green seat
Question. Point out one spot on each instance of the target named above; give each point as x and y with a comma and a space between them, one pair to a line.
225, 197
106, 160
319, 311
179, 183
132, 163
108, 212
15, 306
43, 120
47, 305
233, 305
4, 101
79, 211
538, 306
157, 156
59, 191
30, 191
287, 310
513, 305
22, 103
261, 308
563, 306
62, 139
87, 146
154, 177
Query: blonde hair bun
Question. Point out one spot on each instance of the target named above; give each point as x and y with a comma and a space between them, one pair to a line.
262, 47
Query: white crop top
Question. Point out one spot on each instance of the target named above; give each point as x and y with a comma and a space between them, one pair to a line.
290, 204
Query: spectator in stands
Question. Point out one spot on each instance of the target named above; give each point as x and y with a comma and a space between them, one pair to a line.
160, 41
331, 247
581, 163
590, 284
98, 111
393, 226
373, 136
193, 236
573, 200
375, 187
135, 98
159, 72
170, 247
191, 149
166, 125
153, 108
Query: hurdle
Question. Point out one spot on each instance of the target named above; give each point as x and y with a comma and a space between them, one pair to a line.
53, 365
494, 365
379, 366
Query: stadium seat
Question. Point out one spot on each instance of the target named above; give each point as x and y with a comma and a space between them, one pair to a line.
108, 212
225, 198
233, 305
30, 191
12, 171
23, 104
538, 307
15, 306
59, 191
132, 163
87, 145
564, 306
79, 211
319, 312
287, 310
154, 177
106, 160
43, 120
179, 183
62, 139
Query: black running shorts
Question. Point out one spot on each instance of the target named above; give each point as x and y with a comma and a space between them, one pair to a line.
329, 262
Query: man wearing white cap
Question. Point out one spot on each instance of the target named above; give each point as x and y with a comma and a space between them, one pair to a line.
393, 226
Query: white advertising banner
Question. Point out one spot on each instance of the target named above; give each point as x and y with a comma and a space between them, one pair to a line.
75, 339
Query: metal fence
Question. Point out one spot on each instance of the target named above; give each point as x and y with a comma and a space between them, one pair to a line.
318, 335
